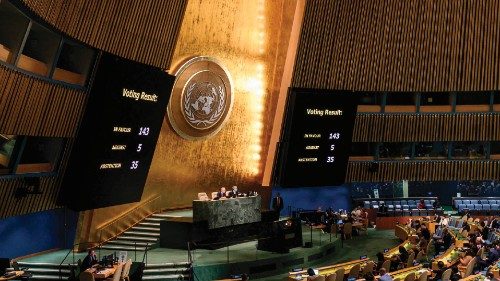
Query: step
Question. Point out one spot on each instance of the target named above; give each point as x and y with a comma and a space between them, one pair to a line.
172, 270
141, 233
47, 277
144, 223
138, 238
128, 243
162, 215
167, 277
35, 270
168, 264
144, 228
153, 219
123, 248
43, 264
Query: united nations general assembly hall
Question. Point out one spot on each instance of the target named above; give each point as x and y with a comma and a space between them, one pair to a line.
271, 140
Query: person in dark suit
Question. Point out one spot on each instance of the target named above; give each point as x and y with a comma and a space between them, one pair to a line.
221, 194
425, 233
278, 203
439, 272
234, 192
89, 260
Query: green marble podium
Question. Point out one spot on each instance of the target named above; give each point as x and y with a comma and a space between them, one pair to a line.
227, 212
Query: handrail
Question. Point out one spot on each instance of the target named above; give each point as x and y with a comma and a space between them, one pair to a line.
128, 212
143, 207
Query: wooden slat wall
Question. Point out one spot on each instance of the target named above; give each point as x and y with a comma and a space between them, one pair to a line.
49, 186
414, 45
140, 30
34, 107
29, 106
426, 127
442, 170
407, 46
145, 31
11, 206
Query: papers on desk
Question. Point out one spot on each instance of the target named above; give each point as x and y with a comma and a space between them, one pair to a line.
122, 256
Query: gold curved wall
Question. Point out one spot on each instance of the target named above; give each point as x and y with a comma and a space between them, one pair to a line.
144, 31
250, 38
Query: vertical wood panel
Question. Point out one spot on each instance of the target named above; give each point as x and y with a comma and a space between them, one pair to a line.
417, 45
407, 46
33, 107
144, 31
29, 106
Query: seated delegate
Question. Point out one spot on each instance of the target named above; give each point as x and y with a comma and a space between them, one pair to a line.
221, 194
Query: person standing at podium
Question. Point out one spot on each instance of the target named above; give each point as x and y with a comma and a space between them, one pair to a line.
278, 203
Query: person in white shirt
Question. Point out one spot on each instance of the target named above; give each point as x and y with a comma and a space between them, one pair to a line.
444, 221
384, 276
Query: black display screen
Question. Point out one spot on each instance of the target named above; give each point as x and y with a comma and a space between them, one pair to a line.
111, 156
316, 138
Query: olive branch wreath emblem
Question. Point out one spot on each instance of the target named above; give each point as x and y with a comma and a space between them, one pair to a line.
213, 118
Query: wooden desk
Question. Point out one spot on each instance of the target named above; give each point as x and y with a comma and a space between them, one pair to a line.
495, 271
450, 257
395, 250
431, 226
460, 241
472, 277
102, 273
402, 273
326, 270
18, 273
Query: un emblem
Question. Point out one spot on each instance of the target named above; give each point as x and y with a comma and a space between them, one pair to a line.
201, 99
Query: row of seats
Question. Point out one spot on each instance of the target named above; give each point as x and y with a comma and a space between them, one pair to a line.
478, 207
412, 212
398, 204
480, 201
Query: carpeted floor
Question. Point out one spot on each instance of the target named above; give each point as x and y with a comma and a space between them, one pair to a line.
369, 244
365, 244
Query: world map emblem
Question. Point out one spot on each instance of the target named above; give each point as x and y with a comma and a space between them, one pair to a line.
201, 99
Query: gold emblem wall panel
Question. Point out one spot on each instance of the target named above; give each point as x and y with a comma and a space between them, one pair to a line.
249, 38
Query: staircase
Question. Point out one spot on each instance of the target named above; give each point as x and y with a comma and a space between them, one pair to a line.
46, 271
167, 271
145, 234
152, 272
